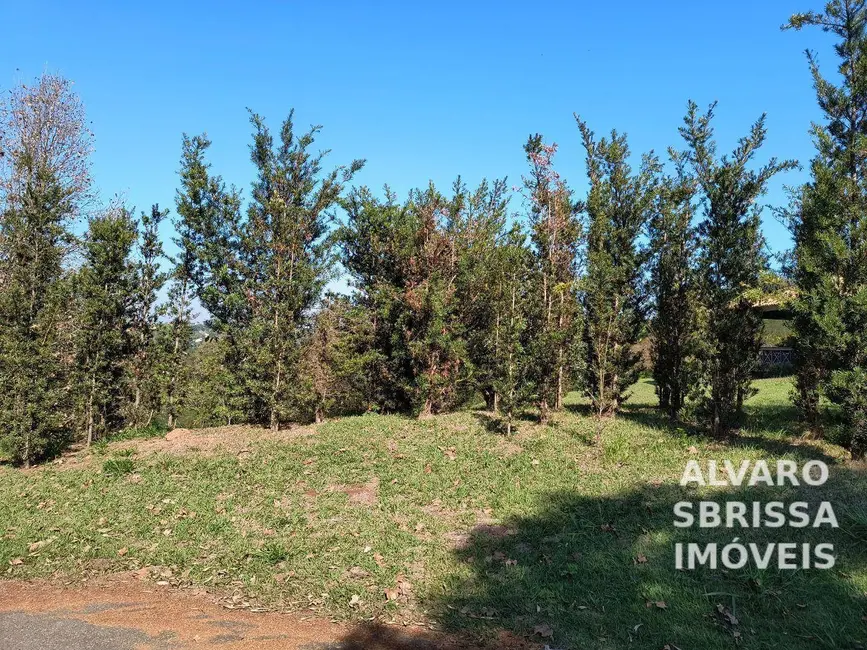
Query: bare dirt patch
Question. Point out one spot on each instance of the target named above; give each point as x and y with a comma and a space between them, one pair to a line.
234, 439
366, 494
122, 609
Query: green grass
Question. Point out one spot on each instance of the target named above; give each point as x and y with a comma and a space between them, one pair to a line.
484, 533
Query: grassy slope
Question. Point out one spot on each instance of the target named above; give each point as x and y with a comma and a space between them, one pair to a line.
546, 529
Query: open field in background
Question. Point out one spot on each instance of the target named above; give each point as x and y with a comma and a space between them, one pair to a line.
448, 523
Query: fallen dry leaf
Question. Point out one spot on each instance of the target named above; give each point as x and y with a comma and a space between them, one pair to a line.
35, 546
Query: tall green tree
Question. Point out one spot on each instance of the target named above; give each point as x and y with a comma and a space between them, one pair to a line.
477, 229
337, 360
730, 262
145, 354
509, 297
673, 287
286, 255
210, 268
174, 338
45, 184
555, 233
430, 322
104, 288
378, 238
829, 225
618, 207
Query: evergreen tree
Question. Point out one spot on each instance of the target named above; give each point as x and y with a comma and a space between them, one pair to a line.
145, 353
556, 236
208, 267
730, 262
104, 289
336, 362
430, 320
375, 242
618, 207
45, 180
673, 287
509, 298
476, 228
829, 226
423, 271
175, 337
208, 393
286, 256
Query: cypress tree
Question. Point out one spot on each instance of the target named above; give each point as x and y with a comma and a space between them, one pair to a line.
104, 289
477, 231
430, 318
376, 241
618, 207
674, 290
335, 367
286, 253
45, 180
829, 225
510, 300
145, 353
730, 262
209, 267
555, 233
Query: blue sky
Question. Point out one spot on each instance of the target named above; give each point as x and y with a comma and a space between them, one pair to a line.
421, 90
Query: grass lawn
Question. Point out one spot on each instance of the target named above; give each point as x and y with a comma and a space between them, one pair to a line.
546, 534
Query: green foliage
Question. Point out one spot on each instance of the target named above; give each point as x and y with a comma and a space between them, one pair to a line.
509, 298
117, 466
212, 394
337, 361
618, 206
44, 179
433, 332
424, 271
260, 276
731, 261
285, 258
829, 225
144, 356
33, 297
477, 230
103, 287
673, 286
375, 243
555, 321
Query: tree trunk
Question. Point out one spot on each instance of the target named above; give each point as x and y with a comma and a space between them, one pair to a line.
90, 412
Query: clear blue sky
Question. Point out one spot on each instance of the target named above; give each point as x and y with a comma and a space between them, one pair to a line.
421, 90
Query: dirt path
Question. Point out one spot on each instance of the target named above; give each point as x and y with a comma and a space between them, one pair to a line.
124, 614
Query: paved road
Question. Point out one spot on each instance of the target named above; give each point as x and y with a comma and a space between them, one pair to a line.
22, 631
138, 615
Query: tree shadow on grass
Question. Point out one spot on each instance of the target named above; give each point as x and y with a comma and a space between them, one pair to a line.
770, 427
585, 571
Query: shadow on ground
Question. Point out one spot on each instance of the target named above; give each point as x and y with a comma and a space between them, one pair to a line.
585, 571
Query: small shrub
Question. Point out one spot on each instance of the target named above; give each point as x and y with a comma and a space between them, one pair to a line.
118, 466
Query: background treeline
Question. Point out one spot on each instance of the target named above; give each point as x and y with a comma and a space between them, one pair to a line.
456, 294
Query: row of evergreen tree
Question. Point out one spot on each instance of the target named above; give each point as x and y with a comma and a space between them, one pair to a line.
453, 295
